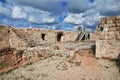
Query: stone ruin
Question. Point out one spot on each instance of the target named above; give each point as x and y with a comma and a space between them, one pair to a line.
21, 46
107, 37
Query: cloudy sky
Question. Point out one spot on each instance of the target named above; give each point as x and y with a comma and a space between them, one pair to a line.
57, 14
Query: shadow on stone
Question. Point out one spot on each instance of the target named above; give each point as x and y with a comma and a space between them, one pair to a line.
118, 62
6, 51
93, 48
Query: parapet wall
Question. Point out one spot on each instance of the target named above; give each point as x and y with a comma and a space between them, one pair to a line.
107, 38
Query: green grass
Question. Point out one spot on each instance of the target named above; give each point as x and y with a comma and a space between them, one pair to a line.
117, 63
114, 60
4, 65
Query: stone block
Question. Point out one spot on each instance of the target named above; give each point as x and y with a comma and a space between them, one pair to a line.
109, 49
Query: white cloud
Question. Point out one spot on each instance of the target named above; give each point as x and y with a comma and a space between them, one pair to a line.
78, 5
18, 13
107, 7
74, 18
38, 16
55, 5
41, 19
80, 12
86, 19
92, 17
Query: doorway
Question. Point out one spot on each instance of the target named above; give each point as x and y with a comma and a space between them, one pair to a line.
43, 36
59, 36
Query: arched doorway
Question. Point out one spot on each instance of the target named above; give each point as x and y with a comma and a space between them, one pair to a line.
59, 36
43, 36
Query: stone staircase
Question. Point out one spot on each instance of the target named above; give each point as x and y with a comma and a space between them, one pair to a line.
24, 37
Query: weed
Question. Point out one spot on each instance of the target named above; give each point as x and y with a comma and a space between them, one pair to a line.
4, 65
117, 63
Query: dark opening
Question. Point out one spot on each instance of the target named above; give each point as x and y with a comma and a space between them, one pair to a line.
59, 36
8, 31
83, 38
43, 36
117, 61
101, 28
89, 36
93, 48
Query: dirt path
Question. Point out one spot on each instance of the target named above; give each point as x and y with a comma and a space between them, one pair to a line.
82, 67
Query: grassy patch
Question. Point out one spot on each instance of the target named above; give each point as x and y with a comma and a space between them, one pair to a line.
117, 61
4, 65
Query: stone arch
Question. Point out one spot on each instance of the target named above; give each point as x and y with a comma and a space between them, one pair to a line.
60, 36
43, 36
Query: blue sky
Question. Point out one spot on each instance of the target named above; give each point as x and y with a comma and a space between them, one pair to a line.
57, 14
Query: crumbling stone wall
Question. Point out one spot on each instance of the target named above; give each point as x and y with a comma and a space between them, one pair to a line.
11, 58
4, 36
31, 37
108, 38
19, 46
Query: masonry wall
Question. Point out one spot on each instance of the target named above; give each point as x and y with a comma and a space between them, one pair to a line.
31, 37
108, 38
107, 49
4, 37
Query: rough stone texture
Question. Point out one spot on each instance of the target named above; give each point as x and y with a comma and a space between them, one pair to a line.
11, 58
107, 37
33, 37
32, 44
21, 46
108, 29
107, 49
4, 36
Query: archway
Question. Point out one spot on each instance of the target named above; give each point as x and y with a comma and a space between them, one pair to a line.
43, 36
59, 36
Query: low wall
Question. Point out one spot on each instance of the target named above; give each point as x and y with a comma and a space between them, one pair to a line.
107, 49
11, 58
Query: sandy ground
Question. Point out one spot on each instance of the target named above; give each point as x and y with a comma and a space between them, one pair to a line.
62, 68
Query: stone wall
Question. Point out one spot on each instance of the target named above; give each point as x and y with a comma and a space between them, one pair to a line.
107, 49
4, 36
107, 37
19, 47
31, 37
